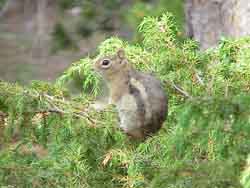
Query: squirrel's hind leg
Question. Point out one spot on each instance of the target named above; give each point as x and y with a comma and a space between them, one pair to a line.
135, 134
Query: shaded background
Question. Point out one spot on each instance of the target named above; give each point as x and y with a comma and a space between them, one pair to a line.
40, 39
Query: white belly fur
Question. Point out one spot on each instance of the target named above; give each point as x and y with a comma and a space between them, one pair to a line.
127, 109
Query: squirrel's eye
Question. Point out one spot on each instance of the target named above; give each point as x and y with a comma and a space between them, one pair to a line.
105, 62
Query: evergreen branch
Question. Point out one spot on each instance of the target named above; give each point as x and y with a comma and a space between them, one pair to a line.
79, 114
53, 104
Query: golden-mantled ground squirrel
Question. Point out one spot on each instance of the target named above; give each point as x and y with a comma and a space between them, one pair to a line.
138, 97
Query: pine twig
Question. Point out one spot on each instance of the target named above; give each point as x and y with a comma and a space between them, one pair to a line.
56, 107
199, 79
179, 89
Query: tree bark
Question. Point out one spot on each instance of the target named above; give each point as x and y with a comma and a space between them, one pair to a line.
208, 20
42, 37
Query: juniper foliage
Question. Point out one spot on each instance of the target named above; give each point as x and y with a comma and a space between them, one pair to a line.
49, 138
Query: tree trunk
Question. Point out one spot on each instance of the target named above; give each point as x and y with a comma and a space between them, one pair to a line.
42, 36
208, 20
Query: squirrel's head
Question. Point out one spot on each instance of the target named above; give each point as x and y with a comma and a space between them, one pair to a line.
112, 66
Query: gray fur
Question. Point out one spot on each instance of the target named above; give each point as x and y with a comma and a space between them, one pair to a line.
157, 101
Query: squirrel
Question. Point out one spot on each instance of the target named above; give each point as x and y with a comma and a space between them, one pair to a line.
139, 97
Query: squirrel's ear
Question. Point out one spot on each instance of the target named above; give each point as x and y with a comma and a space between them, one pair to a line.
121, 54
